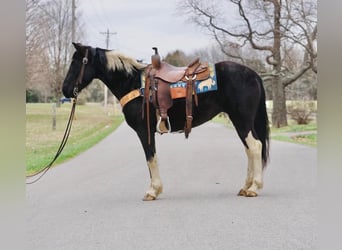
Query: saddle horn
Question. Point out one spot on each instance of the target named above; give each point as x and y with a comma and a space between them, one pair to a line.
155, 59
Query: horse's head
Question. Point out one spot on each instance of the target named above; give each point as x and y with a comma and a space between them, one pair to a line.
81, 71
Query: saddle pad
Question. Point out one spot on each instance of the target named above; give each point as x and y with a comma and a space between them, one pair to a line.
178, 89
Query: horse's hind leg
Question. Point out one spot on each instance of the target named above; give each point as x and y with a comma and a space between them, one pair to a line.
254, 179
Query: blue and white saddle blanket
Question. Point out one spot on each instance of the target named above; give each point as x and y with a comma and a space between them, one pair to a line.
202, 86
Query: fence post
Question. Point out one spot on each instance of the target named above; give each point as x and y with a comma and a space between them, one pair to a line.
54, 116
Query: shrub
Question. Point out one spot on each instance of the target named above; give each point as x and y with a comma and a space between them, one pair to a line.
301, 112
32, 96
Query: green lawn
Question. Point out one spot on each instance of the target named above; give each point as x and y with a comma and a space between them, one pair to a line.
308, 139
302, 134
91, 124
292, 127
285, 133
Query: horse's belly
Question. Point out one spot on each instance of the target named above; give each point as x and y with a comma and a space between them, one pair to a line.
208, 108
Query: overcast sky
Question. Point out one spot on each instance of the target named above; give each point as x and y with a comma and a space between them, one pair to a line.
139, 26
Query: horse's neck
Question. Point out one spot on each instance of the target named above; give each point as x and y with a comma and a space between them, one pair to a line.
120, 83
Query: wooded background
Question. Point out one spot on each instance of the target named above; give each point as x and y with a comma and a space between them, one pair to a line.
276, 38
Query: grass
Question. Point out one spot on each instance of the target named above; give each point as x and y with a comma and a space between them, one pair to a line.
91, 124
292, 127
296, 133
293, 133
309, 139
306, 139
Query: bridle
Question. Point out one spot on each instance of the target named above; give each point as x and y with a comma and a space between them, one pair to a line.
80, 76
68, 127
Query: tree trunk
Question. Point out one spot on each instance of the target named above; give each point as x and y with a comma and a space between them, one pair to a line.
279, 118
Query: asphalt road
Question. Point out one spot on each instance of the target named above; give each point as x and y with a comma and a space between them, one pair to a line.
94, 201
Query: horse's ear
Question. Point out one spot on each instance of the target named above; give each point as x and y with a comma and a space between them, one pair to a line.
78, 46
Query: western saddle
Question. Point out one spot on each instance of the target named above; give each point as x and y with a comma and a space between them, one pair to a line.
159, 75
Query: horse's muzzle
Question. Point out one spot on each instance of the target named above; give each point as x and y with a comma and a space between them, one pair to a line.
68, 91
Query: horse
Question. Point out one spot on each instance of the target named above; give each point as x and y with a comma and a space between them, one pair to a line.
240, 94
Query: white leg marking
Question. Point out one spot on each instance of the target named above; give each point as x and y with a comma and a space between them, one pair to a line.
254, 176
250, 174
156, 186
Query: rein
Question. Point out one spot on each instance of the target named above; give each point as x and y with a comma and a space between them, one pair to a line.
43, 171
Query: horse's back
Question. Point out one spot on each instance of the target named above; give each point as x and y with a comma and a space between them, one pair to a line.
236, 74
238, 84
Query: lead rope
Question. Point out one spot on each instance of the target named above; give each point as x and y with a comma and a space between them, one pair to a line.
61, 147
68, 127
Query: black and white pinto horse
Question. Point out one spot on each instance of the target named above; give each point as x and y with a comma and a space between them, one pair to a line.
240, 94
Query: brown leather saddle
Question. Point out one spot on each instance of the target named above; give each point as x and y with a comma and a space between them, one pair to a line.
159, 75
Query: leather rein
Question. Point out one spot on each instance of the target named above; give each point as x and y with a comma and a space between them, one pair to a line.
43, 171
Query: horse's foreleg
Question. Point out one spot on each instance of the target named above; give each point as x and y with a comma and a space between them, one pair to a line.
156, 186
254, 179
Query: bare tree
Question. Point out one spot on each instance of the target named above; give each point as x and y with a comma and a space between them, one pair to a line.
266, 26
211, 53
48, 43
58, 36
37, 74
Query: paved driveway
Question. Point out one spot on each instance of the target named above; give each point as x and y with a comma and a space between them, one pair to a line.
94, 201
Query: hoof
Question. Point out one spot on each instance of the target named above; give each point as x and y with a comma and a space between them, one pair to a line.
251, 194
149, 197
242, 192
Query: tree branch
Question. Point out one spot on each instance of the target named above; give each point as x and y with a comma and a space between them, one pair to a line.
290, 79
224, 50
249, 36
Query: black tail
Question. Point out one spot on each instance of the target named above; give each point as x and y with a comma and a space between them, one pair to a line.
262, 128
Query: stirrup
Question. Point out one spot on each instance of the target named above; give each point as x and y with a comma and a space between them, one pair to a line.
167, 129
